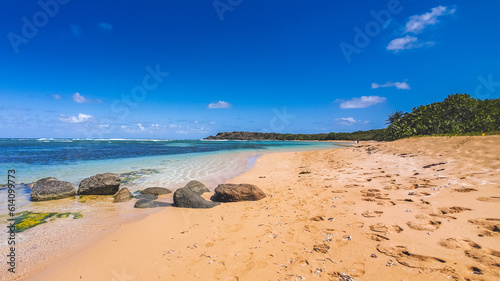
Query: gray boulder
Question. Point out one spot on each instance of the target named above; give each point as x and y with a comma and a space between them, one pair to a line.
196, 187
156, 190
238, 192
122, 196
145, 203
101, 184
147, 196
51, 189
187, 198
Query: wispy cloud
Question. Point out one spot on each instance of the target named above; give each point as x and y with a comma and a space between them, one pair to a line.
77, 97
76, 30
348, 121
398, 85
362, 102
141, 127
57, 97
76, 119
418, 23
106, 27
219, 104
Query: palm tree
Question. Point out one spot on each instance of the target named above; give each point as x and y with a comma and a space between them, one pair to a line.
395, 116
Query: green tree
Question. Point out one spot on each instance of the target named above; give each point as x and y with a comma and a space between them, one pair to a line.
395, 116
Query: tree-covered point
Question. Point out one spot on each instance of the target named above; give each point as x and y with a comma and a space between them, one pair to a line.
458, 114
359, 135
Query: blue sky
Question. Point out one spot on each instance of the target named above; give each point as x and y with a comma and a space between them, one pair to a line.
188, 69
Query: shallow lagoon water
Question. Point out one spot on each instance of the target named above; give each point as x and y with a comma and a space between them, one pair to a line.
141, 163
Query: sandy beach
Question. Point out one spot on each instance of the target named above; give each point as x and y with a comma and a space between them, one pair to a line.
413, 209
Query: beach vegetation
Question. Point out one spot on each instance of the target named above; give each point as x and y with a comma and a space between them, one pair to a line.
457, 115
393, 117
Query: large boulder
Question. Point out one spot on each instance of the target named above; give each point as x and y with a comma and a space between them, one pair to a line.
147, 196
196, 187
122, 196
238, 192
156, 191
145, 203
51, 189
187, 198
101, 184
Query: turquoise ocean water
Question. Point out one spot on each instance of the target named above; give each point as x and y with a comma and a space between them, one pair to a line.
140, 163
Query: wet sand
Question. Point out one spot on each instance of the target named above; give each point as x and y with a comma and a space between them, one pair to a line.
414, 209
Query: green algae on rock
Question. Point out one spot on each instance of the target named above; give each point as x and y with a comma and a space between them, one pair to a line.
27, 220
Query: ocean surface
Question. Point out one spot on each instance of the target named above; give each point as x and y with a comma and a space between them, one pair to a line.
140, 163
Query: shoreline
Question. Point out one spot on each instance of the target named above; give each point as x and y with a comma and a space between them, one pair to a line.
100, 217
375, 210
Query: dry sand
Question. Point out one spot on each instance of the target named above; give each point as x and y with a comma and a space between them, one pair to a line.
414, 209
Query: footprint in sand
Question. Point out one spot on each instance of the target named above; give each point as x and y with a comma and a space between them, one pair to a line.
386, 203
350, 203
310, 228
377, 237
464, 189
453, 210
372, 214
397, 228
317, 218
490, 226
321, 248
489, 199
424, 225
454, 243
379, 227
404, 257
359, 224
339, 191
481, 257
371, 193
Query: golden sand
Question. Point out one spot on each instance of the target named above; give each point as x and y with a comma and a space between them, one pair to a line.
413, 209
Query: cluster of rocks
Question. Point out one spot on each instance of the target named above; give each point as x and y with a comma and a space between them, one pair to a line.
52, 188
189, 196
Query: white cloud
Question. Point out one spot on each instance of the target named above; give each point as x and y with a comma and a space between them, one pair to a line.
362, 102
173, 126
76, 30
418, 23
348, 121
398, 85
140, 126
415, 25
77, 97
219, 104
104, 26
406, 43
57, 97
73, 119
